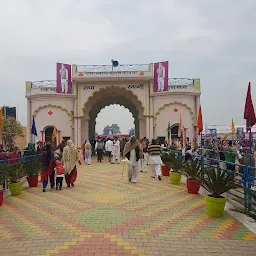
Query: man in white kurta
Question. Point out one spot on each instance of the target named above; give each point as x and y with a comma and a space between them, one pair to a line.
109, 148
116, 151
64, 79
160, 77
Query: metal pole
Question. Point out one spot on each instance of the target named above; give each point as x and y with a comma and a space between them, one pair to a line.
250, 141
201, 149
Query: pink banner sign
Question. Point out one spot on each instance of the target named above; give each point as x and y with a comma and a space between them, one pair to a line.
64, 83
161, 76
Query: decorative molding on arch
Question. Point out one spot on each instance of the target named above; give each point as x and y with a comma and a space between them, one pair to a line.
175, 103
112, 87
55, 106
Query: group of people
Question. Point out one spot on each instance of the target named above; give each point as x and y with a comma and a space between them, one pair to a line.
14, 154
112, 148
218, 150
139, 153
55, 170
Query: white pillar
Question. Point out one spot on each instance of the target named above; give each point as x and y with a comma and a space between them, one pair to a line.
79, 139
29, 120
197, 105
75, 131
151, 113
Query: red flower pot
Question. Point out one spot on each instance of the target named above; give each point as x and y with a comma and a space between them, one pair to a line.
1, 197
165, 170
193, 186
33, 181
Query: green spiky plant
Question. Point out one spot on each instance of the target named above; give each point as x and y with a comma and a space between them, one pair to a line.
167, 157
173, 147
15, 172
176, 163
252, 196
217, 182
32, 167
3, 175
192, 170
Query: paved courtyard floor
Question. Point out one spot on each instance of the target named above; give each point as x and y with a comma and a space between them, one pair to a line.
105, 215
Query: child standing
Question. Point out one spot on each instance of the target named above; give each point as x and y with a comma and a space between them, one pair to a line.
59, 168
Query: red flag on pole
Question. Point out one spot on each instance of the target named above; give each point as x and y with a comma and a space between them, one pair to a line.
249, 114
200, 121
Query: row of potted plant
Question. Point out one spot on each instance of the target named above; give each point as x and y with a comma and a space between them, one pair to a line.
14, 172
215, 181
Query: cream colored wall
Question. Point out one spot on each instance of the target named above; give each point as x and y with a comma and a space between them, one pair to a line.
167, 114
59, 118
85, 94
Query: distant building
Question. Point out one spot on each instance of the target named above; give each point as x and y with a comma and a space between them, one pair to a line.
20, 141
9, 111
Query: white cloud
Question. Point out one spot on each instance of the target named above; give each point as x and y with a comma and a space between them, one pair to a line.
213, 40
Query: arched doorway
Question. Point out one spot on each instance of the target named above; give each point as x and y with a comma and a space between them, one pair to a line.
108, 96
112, 118
174, 131
109, 101
48, 131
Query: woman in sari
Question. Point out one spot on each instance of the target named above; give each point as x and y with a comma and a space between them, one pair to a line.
69, 159
48, 167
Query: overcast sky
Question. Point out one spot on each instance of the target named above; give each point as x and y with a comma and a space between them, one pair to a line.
214, 40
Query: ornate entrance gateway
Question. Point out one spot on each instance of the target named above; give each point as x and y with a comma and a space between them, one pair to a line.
95, 87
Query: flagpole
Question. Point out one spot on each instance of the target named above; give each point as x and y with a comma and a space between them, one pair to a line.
250, 141
201, 149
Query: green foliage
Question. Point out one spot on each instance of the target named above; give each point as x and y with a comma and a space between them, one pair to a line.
32, 167
192, 170
176, 163
167, 157
11, 129
173, 147
217, 182
113, 127
15, 172
252, 196
3, 174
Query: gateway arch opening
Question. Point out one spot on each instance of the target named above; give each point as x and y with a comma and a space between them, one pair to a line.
115, 120
107, 96
108, 101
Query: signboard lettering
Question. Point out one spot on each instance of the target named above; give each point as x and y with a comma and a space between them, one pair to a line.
48, 89
90, 87
173, 87
111, 73
136, 86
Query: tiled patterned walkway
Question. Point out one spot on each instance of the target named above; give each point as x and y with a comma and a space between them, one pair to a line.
105, 215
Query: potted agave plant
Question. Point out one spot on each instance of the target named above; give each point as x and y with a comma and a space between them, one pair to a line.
176, 165
166, 157
15, 173
192, 170
216, 182
31, 169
